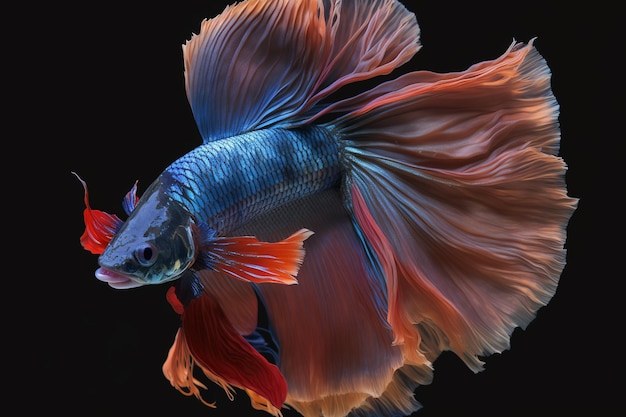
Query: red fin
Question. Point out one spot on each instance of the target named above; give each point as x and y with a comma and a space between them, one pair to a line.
248, 259
219, 349
100, 227
174, 301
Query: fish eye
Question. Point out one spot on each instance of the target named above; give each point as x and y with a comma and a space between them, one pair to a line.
146, 255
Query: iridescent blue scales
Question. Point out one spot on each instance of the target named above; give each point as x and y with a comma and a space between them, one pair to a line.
426, 214
225, 184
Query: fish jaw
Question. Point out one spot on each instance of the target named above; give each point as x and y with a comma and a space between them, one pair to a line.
116, 280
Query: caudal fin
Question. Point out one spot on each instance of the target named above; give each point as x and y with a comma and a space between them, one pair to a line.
455, 181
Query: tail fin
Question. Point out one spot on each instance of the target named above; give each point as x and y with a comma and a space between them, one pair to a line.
455, 181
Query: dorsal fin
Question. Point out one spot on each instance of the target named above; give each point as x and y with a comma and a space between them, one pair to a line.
267, 63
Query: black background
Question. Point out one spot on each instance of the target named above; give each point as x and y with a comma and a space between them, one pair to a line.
100, 92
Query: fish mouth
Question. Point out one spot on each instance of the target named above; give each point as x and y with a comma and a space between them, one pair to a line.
116, 280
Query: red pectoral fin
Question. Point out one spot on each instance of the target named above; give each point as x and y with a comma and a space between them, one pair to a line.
100, 227
248, 259
217, 347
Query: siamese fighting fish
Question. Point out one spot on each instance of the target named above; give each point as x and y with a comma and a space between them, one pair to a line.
323, 246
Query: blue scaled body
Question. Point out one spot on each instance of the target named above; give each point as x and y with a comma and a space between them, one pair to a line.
226, 183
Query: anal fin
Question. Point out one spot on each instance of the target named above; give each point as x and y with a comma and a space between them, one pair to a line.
336, 346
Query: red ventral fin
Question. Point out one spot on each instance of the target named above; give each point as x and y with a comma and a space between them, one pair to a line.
171, 298
218, 348
248, 259
100, 227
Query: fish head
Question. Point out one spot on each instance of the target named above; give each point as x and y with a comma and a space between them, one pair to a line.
154, 245
161, 240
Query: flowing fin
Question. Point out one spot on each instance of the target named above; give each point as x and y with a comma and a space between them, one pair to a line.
344, 356
100, 227
455, 182
237, 298
238, 302
248, 259
367, 38
267, 63
208, 339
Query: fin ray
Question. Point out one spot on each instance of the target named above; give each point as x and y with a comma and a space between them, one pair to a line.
335, 362
100, 227
459, 169
248, 259
253, 61
208, 339
267, 64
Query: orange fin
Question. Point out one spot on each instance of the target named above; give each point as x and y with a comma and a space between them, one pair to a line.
457, 186
248, 259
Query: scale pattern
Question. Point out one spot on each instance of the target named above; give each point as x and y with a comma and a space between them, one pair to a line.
228, 182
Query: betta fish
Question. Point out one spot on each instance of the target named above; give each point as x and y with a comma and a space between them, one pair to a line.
323, 246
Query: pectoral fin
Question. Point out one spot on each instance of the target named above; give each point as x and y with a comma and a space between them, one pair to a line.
248, 259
